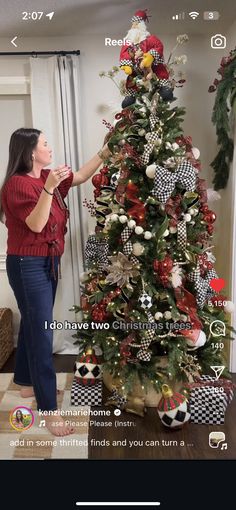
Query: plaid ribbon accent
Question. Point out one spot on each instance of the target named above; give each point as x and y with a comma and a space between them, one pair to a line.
202, 285
143, 354
96, 251
181, 234
165, 181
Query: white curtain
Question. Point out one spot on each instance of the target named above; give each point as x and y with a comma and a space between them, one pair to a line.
55, 98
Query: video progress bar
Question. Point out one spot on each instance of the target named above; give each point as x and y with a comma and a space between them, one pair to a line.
118, 503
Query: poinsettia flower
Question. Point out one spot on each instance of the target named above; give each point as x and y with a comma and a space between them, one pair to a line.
120, 270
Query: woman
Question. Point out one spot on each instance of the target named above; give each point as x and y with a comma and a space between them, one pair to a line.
18, 421
32, 200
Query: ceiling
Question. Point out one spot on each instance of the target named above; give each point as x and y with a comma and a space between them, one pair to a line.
111, 17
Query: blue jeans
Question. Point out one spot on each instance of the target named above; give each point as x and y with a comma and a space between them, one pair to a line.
35, 291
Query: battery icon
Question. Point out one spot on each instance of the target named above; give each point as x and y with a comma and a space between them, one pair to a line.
211, 15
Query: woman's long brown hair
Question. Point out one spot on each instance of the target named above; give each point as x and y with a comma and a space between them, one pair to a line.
20, 162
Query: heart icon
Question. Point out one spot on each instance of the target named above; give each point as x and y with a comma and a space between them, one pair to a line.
217, 284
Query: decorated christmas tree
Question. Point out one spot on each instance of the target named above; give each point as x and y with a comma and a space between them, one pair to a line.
150, 293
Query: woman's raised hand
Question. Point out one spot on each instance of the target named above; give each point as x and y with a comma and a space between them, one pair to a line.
55, 177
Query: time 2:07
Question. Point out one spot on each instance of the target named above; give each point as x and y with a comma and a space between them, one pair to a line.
35, 15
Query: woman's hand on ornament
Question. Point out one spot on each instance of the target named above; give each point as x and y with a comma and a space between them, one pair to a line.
107, 138
105, 152
55, 177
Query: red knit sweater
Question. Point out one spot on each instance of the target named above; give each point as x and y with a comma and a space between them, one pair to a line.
19, 196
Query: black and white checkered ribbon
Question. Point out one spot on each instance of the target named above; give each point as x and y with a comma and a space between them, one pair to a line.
165, 180
134, 260
202, 285
181, 234
96, 251
153, 136
143, 354
153, 120
148, 148
126, 62
125, 235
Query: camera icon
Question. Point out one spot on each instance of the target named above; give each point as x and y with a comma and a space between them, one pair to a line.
218, 42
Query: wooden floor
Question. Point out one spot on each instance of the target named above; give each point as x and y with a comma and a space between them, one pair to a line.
146, 431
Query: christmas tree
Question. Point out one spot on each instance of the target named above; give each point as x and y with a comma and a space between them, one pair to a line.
150, 291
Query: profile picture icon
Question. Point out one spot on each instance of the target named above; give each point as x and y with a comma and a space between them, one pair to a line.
21, 418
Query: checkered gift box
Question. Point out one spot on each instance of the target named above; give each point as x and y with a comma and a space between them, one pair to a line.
82, 395
208, 404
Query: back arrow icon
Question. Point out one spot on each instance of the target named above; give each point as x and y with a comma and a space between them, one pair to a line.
12, 41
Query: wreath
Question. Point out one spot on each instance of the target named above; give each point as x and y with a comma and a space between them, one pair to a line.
222, 111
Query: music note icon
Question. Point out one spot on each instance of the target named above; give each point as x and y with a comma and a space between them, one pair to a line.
224, 446
42, 423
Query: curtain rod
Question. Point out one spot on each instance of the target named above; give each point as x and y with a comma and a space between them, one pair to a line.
36, 53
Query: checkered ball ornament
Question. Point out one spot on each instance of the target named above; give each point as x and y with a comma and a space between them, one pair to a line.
173, 408
88, 370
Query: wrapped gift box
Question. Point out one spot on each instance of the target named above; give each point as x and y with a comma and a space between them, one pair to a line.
208, 403
86, 395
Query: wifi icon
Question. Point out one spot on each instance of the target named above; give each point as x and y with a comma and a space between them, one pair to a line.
194, 14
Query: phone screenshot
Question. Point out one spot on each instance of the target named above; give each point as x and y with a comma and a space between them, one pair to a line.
117, 232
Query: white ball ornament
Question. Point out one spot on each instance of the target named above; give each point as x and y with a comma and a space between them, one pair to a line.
158, 315
138, 249
83, 277
123, 218
121, 211
150, 171
167, 315
191, 211
131, 223
166, 233
187, 217
175, 146
229, 307
138, 230
173, 230
147, 235
114, 217
196, 152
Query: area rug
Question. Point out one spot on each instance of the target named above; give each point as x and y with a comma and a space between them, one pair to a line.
36, 442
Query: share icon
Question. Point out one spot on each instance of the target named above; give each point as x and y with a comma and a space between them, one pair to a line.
218, 369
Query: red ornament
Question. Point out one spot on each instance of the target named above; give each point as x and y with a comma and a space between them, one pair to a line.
104, 170
156, 265
96, 180
204, 209
210, 217
210, 229
165, 266
164, 280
